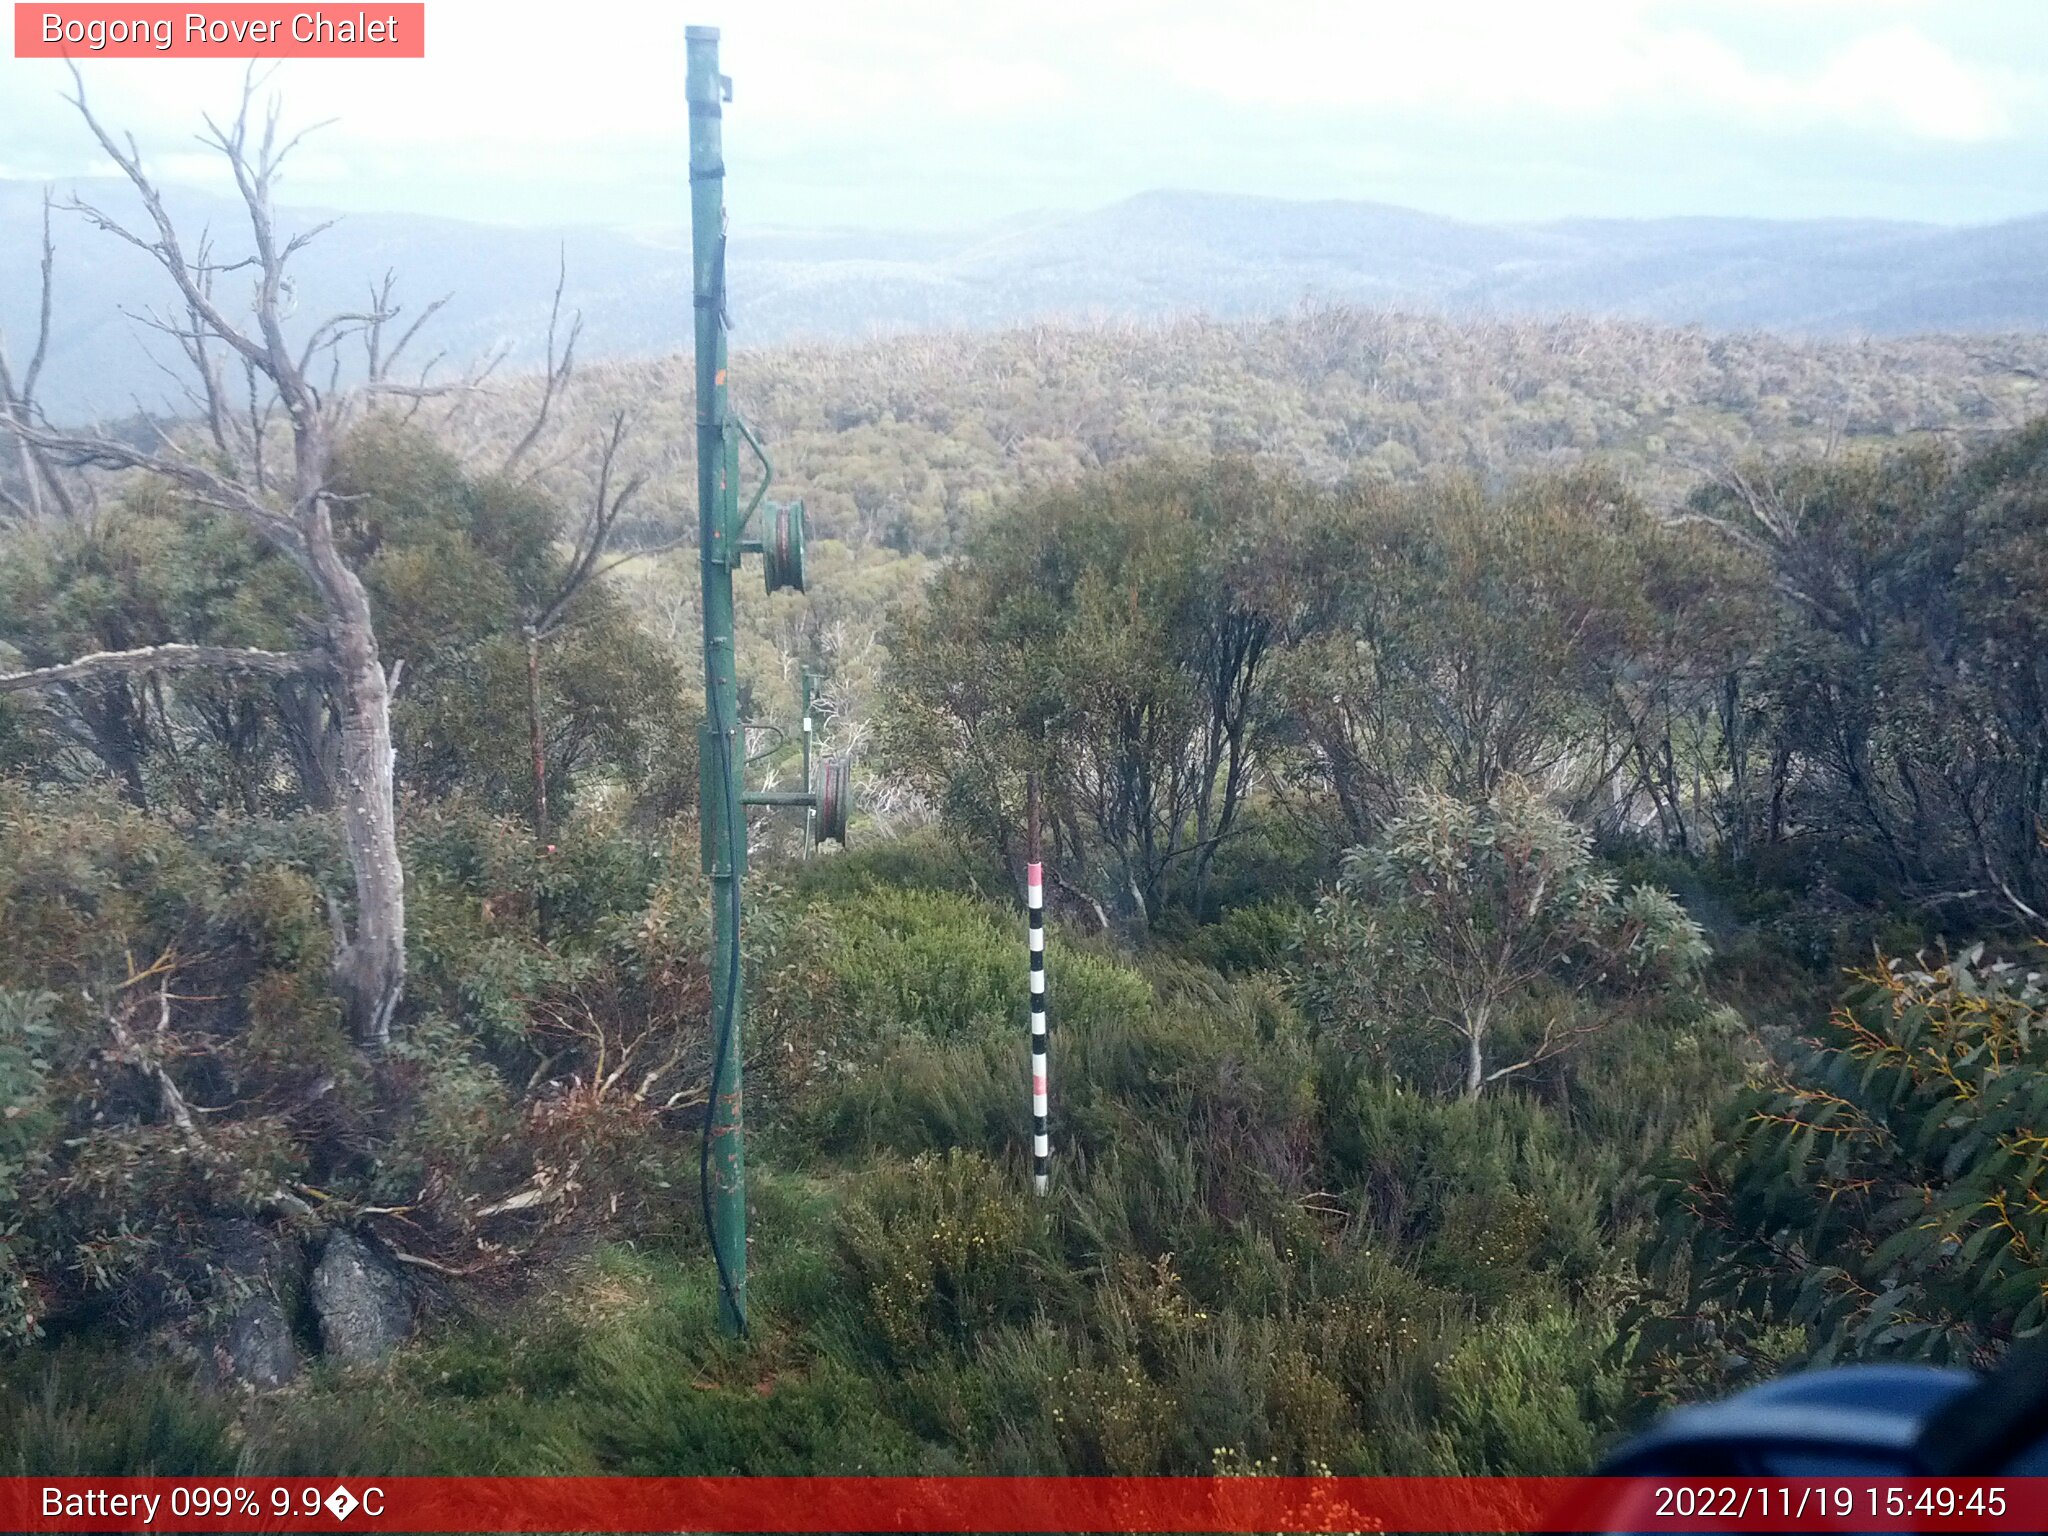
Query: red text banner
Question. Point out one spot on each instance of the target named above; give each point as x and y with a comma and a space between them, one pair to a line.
982, 1504
239, 31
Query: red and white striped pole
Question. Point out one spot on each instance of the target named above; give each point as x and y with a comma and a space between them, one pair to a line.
1034, 902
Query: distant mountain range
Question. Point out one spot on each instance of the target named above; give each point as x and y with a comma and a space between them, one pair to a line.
1161, 253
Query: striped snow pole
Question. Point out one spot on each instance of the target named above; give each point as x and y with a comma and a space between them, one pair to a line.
1041, 1139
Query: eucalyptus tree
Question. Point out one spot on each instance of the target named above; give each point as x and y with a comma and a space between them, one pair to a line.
1902, 697
1468, 915
1462, 637
1116, 636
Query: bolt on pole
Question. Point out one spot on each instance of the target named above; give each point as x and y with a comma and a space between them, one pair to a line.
721, 747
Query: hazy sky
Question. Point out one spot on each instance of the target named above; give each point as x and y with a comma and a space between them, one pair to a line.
918, 112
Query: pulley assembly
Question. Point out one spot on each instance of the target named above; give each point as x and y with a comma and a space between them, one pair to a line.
782, 548
835, 799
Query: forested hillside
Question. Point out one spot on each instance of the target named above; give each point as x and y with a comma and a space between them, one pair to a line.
901, 442
897, 446
1546, 826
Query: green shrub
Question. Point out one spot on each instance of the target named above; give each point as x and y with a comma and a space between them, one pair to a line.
1256, 937
941, 1251
915, 1096
916, 1006
924, 860
1381, 1332
1525, 1394
1475, 940
24, 1124
927, 964
1273, 856
1483, 1198
1115, 1419
1879, 1191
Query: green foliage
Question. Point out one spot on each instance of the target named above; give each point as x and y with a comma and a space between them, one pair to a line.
903, 442
1114, 637
172, 1058
925, 964
921, 860
1880, 1193
1274, 854
944, 967
1485, 1197
1461, 637
1897, 712
150, 570
1257, 1256
1247, 939
169, 986
949, 1249
455, 565
1523, 1392
63, 1420
1467, 914
24, 1074
920, 996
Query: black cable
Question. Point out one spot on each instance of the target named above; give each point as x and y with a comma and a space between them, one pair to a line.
735, 828
726, 1023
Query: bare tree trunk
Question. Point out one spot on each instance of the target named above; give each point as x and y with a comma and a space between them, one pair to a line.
369, 965
1781, 770
1234, 777
117, 735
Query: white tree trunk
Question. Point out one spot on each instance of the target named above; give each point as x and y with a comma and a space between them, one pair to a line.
369, 964
1475, 1053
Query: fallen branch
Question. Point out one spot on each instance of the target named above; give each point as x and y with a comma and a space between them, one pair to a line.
525, 1200
434, 1264
167, 658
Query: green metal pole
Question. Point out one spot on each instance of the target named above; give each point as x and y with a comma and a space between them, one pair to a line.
721, 747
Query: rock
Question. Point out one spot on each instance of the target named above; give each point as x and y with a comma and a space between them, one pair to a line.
257, 1344
249, 1274
361, 1301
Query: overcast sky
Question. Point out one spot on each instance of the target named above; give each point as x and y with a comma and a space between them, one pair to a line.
944, 112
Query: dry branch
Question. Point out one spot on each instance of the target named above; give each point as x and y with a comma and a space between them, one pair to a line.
167, 658
558, 370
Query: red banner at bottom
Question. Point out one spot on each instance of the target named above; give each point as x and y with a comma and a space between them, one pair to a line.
993, 1504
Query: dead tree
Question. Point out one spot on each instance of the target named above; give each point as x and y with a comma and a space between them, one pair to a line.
549, 614
271, 414
43, 487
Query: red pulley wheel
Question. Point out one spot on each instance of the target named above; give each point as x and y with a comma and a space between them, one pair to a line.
835, 799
